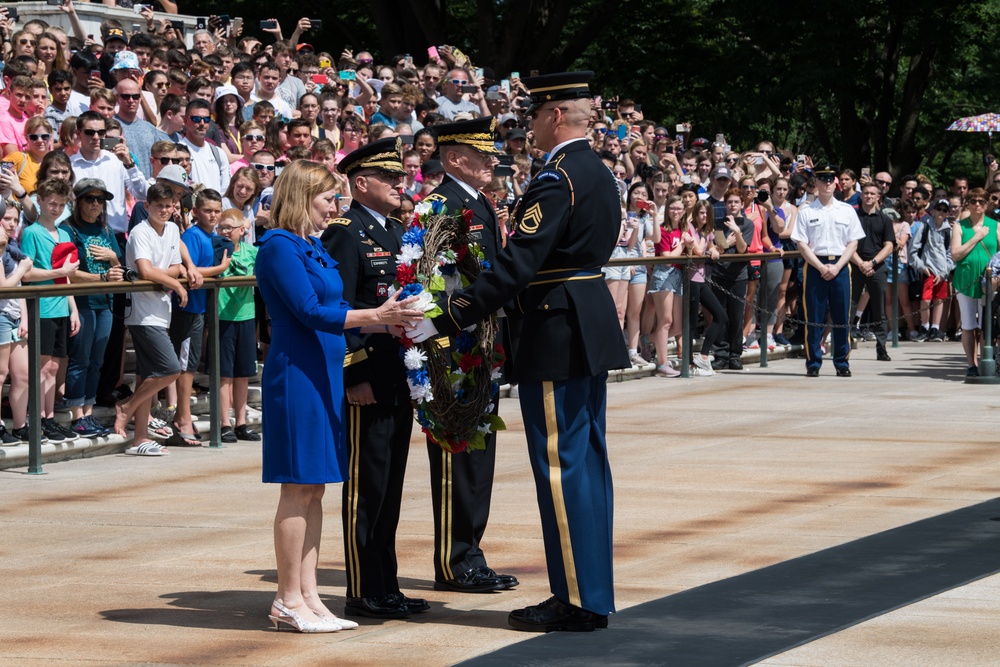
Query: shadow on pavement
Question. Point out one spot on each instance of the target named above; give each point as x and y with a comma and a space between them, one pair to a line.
745, 619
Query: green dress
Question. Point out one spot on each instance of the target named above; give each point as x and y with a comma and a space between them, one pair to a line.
969, 270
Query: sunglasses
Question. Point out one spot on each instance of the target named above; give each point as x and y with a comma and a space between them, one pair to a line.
169, 160
748, 187
92, 199
458, 82
977, 201
25, 42
365, 61
263, 167
885, 183
253, 137
200, 119
91, 133
39, 137
133, 96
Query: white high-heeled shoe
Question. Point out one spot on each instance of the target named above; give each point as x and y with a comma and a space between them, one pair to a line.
289, 617
342, 622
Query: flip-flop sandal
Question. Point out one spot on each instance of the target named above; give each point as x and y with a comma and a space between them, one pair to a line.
148, 448
160, 432
178, 439
194, 435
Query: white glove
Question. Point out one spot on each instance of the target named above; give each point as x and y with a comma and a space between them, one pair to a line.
422, 331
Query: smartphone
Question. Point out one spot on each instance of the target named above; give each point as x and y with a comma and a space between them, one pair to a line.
406, 139
201, 23
469, 89
56, 3
109, 143
609, 104
515, 75
493, 95
505, 87
224, 19
136, 8
12, 15
7, 166
177, 25
359, 111
679, 129
348, 75
637, 107
866, 173
758, 160
720, 139
324, 63
95, 74
622, 132
268, 25
237, 23
136, 28
478, 72
320, 79
680, 138
801, 159
315, 24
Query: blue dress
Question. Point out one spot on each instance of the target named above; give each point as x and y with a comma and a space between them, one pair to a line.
303, 381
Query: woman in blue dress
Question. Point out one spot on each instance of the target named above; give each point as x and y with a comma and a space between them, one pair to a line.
303, 394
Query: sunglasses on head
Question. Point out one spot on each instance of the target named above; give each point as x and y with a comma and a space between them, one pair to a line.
130, 96
263, 167
200, 119
37, 137
91, 133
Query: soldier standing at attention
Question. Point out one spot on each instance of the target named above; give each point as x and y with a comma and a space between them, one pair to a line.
364, 244
827, 232
462, 484
565, 228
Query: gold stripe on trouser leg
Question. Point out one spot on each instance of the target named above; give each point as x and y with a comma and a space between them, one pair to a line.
850, 291
353, 564
445, 515
805, 307
555, 486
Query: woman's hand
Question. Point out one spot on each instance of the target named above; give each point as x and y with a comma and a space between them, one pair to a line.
360, 394
102, 254
398, 313
115, 274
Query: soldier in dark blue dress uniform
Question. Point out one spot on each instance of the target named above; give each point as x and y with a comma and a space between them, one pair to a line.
565, 228
462, 484
365, 243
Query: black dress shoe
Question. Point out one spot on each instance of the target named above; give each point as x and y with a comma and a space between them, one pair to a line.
554, 615
415, 605
472, 581
812, 372
884, 356
383, 606
506, 580
844, 372
735, 365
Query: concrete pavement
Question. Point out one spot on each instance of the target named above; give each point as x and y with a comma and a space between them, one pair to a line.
118, 560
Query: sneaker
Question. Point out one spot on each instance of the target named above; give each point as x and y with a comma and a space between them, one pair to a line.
6, 438
720, 364
751, 344
856, 333
667, 371
703, 363
22, 434
735, 365
972, 372
66, 431
646, 348
148, 448
244, 432
779, 339
82, 428
53, 432
935, 336
917, 337
697, 371
770, 343
228, 435
868, 335
98, 425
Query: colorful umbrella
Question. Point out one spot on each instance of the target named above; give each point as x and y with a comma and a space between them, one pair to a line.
987, 122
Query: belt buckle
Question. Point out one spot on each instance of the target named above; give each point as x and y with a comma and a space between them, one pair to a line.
831, 258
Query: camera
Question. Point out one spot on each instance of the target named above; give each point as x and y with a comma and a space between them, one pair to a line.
988, 159
129, 274
762, 196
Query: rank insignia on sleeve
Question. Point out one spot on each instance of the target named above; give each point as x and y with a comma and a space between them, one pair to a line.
434, 198
530, 220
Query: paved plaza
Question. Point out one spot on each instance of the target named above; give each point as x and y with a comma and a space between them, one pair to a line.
761, 517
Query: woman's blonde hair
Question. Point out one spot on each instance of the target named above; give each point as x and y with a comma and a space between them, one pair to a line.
299, 183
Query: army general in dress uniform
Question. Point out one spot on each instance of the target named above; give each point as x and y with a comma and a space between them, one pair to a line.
462, 484
365, 243
565, 228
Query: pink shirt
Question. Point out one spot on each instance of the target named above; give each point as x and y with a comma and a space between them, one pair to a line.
12, 130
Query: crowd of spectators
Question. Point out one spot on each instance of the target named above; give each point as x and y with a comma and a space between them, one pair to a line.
109, 145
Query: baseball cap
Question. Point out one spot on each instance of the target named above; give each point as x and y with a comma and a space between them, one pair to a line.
722, 171
126, 60
175, 174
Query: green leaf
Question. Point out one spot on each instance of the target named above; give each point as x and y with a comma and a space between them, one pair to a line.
434, 312
436, 283
496, 423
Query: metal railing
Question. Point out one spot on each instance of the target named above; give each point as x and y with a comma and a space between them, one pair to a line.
31, 295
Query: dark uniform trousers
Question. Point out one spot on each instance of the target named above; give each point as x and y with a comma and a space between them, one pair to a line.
378, 435
822, 298
462, 484
565, 228
876, 286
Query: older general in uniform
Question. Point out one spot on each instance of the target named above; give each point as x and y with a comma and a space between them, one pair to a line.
550, 274
462, 484
827, 232
365, 243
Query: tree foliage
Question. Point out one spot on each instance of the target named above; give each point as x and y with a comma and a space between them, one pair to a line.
870, 83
